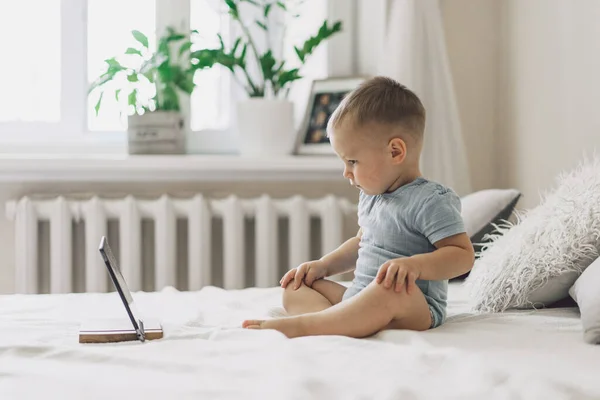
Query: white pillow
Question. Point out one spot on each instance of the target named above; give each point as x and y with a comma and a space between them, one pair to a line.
482, 209
556, 240
586, 292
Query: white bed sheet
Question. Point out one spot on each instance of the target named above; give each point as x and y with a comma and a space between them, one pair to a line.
204, 354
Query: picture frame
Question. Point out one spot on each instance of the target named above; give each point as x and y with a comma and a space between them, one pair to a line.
325, 95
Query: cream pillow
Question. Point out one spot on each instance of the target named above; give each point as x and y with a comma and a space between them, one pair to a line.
536, 261
483, 210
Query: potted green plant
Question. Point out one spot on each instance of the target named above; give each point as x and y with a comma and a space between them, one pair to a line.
153, 83
265, 118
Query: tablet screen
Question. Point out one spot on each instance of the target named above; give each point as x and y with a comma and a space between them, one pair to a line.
118, 280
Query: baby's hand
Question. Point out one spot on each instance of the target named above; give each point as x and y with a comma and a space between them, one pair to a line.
307, 272
401, 272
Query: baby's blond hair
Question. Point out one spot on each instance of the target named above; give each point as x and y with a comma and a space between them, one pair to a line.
381, 100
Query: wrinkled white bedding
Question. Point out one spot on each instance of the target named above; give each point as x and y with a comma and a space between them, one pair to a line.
204, 354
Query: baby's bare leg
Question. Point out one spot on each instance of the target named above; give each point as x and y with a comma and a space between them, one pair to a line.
323, 294
373, 309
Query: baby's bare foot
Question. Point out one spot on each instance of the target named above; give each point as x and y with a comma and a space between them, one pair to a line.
291, 326
252, 324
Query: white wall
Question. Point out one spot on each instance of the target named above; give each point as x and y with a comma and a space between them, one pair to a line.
550, 91
472, 37
526, 75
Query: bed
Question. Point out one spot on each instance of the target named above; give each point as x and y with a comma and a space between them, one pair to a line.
204, 354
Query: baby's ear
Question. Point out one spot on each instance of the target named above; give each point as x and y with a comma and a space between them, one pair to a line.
397, 148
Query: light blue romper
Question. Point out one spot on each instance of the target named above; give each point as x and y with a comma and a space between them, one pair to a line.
404, 223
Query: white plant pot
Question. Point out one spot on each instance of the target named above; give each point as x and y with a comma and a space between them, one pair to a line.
158, 132
265, 127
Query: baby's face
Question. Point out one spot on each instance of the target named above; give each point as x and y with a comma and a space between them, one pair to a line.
367, 161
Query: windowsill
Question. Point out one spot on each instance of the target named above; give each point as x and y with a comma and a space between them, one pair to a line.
126, 168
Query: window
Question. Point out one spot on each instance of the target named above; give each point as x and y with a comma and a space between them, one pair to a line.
109, 34
57, 50
210, 111
298, 30
313, 12
30, 76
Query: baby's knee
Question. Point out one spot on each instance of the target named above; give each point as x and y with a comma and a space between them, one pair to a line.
290, 289
290, 292
387, 294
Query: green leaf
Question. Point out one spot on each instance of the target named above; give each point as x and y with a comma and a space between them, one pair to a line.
132, 98
184, 47
149, 75
131, 50
281, 5
185, 81
140, 37
242, 58
235, 45
325, 32
300, 53
221, 41
263, 26
233, 9
278, 70
322, 29
252, 2
175, 37
117, 93
207, 58
170, 99
166, 72
163, 47
225, 59
204, 58
267, 63
284, 78
97, 106
132, 78
172, 35
113, 64
288, 76
268, 10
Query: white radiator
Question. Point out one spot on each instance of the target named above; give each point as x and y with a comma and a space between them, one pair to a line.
165, 211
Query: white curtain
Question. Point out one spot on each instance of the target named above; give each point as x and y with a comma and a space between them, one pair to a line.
413, 52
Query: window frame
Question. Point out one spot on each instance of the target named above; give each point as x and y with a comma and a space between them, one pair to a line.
71, 134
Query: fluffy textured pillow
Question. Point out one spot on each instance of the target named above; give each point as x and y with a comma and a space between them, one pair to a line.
555, 240
586, 292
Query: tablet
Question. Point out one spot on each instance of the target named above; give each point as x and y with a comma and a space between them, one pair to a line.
117, 278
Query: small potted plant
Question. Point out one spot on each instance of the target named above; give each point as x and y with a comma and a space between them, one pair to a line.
265, 119
153, 87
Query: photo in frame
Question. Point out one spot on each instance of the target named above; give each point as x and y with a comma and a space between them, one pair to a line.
325, 96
